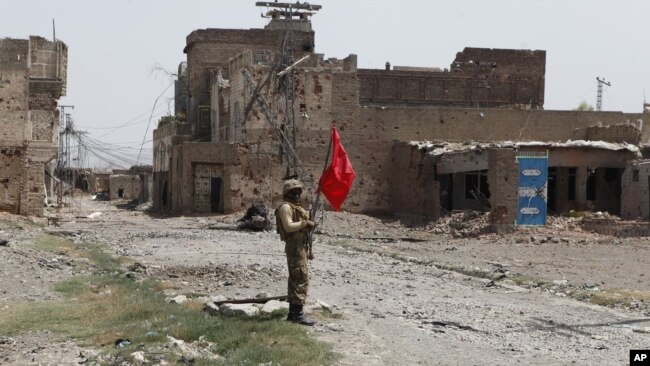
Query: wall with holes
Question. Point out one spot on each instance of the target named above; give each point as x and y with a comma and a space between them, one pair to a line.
124, 187
32, 79
478, 77
635, 196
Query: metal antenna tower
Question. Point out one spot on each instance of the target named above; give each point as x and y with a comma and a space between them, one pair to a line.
63, 147
286, 79
599, 96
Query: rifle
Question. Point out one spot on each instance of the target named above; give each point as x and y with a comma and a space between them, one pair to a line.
315, 204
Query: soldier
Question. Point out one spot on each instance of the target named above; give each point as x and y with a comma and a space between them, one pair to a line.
293, 225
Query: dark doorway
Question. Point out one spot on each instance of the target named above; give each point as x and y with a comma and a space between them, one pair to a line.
120, 193
551, 191
591, 185
446, 191
571, 195
608, 196
215, 194
164, 195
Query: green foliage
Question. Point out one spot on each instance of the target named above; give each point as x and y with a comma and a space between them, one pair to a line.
584, 106
99, 308
180, 117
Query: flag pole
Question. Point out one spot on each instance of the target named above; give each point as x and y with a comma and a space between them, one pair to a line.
316, 201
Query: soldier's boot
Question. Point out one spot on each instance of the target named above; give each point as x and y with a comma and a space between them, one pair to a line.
300, 318
292, 313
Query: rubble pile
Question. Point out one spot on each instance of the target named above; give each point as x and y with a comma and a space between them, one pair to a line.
606, 224
463, 224
256, 218
225, 275
185, 352
563, 223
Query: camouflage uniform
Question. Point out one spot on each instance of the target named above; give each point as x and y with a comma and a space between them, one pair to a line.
292, 227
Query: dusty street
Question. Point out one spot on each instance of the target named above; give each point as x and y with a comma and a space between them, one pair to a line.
402, 302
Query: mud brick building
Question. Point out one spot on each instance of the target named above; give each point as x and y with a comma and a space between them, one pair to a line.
225, 155
124, 186
32, 79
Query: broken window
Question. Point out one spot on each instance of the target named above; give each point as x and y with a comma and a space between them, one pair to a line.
204, 117
476, 185
572, 184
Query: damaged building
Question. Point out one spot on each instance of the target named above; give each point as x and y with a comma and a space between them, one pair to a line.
421, 140
32, 79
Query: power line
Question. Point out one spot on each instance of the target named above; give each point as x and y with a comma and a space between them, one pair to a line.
150, 117
125, 124
133, 121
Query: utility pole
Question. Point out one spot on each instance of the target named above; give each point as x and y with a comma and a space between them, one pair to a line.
599, 96
60, 164
286, 78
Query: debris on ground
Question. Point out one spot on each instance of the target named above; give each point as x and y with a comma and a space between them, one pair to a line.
463, 224
145, 206
605, 224
94, 215
119, 343
256, 218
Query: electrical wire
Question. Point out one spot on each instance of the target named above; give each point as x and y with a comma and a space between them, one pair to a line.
150, 117
132, 122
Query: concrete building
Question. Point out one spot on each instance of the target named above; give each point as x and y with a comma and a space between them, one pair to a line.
32, 79
99, 182
228, 158
124, 187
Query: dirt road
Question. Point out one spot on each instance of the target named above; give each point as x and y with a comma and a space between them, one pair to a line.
396, 310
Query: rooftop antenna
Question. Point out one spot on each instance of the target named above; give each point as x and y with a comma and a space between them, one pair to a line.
290, 13
53, 31
599, 96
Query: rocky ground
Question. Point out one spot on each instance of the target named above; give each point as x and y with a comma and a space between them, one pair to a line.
408, 292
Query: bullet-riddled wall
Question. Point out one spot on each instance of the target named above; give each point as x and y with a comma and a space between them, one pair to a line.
32, 79
635, 194
372, 110
124, 186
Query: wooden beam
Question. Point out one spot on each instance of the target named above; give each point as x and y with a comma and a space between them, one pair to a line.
262, 300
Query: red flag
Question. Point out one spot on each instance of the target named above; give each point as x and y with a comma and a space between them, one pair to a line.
338, 177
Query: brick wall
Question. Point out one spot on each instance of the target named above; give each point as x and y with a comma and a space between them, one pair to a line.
210, 50
99, 182
197, 154
13, 103
635, 196
462, 124
166, 138
413, 190
32, 77
32, 188
629, 133
129, 185
335, 91
10, 168
331, 94
503, 178
478, 77
45, 125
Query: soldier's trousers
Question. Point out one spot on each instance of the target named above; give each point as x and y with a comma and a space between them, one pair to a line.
296, 251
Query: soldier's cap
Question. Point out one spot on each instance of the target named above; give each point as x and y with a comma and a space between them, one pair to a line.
290, 185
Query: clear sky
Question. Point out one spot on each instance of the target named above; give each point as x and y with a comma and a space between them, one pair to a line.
115, 47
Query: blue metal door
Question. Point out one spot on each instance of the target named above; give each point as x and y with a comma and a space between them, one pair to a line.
533, 173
